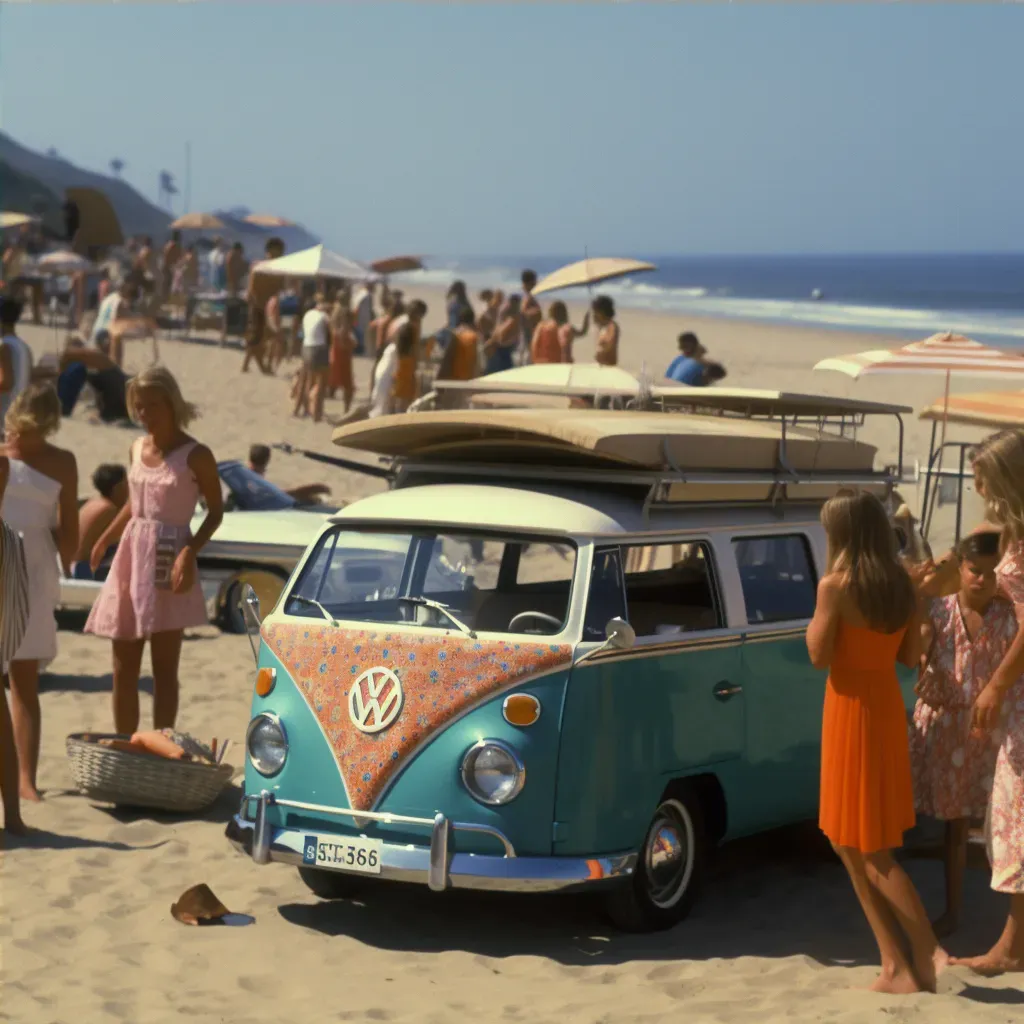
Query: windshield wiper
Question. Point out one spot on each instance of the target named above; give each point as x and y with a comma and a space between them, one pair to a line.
316, 604
428, 602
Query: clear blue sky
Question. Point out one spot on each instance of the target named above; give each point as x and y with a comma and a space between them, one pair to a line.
535, 128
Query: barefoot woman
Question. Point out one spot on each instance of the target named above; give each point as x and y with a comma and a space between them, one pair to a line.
999, 479
865, 621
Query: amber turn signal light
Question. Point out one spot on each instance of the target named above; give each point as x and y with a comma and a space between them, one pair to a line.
265, 679
521, 709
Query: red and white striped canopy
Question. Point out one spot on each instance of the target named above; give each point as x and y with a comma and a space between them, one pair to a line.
941, 353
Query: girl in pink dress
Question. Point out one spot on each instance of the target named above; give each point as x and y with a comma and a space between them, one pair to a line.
966, 637
999, 479
152, 592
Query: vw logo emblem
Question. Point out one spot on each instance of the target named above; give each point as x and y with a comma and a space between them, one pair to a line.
375, 700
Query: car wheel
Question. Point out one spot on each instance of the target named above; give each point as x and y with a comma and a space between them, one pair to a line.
669, 868
330, 885
233, 617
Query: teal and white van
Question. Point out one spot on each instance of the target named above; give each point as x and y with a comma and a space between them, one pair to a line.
565, 650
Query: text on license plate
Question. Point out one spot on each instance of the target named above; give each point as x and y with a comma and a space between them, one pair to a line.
351, 853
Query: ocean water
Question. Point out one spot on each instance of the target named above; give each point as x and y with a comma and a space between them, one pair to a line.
908, 296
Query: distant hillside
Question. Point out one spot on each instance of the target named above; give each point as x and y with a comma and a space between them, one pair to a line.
138, 216
25, 194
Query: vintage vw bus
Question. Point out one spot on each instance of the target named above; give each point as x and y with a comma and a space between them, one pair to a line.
564, 650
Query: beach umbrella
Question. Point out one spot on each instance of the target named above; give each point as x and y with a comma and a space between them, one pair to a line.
13, 219
268, 220
591, 271
397, 265
198, 222
316, 262
64, 261
943, 354
995, 409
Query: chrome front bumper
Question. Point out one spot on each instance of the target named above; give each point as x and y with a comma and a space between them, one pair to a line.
437, 865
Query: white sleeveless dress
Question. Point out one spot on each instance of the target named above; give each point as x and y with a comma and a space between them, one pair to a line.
30, 510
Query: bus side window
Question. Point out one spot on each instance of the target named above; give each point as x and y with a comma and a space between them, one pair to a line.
605, 598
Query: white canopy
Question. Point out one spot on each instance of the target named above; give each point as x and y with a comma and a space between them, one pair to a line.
317, 261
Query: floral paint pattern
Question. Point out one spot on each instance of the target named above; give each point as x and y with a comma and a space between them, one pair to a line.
952, 768
441, 678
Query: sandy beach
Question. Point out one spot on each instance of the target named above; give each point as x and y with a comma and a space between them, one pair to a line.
85, 929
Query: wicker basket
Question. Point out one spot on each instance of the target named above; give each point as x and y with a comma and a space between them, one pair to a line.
142, 780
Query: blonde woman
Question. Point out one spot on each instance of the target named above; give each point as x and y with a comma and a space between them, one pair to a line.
41, 504
999, 478
152, 592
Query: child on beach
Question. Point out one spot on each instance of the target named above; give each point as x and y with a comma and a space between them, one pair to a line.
152, 592
966, 636
866, 620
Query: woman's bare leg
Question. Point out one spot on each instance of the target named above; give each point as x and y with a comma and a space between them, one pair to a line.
1008, 953
928, 958
165, 650
127, 665
26, 717
956, 866
897, 977
9, 772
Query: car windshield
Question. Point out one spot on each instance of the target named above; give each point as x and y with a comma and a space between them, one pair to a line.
449, 580
250, 492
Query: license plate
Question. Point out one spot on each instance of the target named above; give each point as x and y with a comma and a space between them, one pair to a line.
350, 853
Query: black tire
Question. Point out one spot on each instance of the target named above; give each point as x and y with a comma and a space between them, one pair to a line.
232, 615
330, 885
669, 869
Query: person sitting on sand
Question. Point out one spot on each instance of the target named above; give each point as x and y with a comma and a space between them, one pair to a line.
966, 636
688, 366
96, 515
607, 351
79, 366
307, 494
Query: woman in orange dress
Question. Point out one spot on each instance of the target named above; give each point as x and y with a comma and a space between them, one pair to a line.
865, 621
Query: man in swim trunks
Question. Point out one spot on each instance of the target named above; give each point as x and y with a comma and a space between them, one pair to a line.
111, 483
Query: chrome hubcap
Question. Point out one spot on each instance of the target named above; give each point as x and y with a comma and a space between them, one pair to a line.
669, 854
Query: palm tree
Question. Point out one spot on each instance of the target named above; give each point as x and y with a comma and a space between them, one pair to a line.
168, 189
117, 166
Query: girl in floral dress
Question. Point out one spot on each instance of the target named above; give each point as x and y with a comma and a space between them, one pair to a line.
999, 479
966, 635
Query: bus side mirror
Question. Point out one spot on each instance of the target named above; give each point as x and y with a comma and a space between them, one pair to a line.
619, 634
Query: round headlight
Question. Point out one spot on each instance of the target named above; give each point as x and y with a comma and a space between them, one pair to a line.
267, 744
493, 772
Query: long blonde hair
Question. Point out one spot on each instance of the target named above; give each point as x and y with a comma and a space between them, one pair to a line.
999, 464
862, 546
159, 378
36, 409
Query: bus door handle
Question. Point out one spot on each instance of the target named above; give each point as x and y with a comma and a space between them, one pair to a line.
726, 691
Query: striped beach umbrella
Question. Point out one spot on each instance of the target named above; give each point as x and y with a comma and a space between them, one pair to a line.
944, 354
994, 409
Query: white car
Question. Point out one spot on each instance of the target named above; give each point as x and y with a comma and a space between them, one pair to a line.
263, 535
